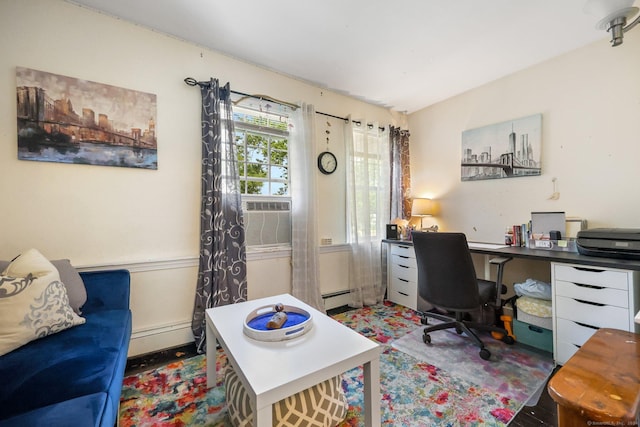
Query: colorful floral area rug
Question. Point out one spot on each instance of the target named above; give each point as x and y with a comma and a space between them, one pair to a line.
415, 391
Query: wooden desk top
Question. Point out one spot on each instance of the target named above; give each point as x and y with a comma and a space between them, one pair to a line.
601, 382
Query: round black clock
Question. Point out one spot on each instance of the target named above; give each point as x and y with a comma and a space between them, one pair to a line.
327, 162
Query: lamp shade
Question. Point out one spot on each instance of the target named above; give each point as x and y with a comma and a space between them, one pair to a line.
607, 10
422, 207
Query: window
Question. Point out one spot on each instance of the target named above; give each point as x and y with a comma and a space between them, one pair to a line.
262, 146
371, 198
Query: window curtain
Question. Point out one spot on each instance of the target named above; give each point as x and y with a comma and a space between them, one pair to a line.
368, 206
400, 174
304, 223
222, 270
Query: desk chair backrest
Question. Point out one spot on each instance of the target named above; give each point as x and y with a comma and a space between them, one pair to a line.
446, 275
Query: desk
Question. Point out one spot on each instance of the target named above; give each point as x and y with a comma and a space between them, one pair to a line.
600, 385
588, 292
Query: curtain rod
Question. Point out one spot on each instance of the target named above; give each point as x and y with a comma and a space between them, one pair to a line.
193, 82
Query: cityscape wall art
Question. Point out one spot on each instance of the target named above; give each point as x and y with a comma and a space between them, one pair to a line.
68, 120
503, 150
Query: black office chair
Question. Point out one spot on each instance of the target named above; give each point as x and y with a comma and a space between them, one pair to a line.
447, 280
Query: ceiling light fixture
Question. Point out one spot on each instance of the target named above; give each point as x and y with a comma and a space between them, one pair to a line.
613, 15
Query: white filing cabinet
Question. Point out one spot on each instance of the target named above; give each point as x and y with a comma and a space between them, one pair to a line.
403, 276
587, 298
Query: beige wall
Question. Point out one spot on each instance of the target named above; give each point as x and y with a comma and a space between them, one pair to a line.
590, 103
147, 221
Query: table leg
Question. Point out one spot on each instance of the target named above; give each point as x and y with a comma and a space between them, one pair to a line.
263, 416
211, 356
372, 393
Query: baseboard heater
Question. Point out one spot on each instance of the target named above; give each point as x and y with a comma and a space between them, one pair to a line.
334, 294
336, 299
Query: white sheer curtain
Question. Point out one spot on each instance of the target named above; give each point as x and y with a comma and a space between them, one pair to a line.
368, 207
304, 241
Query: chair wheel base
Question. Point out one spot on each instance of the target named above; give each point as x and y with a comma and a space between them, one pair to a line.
485, 354
426, 338
508, 339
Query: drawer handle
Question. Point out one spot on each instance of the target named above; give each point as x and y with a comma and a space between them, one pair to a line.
535, 329
404, 247
582, 285
589, 302
586, 326
403, 266
403, 280
403, 256
402, 293
592, 270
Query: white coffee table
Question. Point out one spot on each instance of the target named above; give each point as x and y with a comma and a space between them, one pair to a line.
271, 371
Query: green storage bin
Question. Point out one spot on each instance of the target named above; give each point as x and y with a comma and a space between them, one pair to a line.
533, 335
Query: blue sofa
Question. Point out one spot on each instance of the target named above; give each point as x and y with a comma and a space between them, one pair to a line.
74, 377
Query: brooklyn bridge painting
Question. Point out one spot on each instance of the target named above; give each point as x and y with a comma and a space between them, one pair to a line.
69, 120
504, 150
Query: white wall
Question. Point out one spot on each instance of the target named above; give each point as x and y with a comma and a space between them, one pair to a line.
590, 103
144, 220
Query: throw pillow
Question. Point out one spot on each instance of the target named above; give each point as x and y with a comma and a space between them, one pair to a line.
33, 302
76, 291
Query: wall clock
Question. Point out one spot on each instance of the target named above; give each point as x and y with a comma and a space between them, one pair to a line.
327, 162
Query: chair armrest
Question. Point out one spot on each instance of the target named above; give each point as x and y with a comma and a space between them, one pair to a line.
106, 290
500, 289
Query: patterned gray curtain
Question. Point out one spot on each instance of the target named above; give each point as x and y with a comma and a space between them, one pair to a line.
222, 271
400, 174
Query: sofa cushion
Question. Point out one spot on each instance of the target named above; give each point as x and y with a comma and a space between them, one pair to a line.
33, 302
72, 282
79, 361
82, 411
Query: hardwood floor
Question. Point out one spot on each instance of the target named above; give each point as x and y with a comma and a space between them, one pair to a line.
543, 414
142, 363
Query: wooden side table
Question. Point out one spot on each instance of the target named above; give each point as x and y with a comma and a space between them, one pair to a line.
600, 383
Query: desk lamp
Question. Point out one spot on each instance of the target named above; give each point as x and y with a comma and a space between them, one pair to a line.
422, 208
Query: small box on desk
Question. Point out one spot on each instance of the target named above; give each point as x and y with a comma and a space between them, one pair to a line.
532, 335
554, 245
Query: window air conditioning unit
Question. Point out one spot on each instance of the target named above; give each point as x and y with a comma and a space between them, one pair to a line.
267, 222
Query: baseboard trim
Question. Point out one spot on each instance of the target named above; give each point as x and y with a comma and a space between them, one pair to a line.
155, 338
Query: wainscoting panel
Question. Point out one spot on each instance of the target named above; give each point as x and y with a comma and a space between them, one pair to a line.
162, 291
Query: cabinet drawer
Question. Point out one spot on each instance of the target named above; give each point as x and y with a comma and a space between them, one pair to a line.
403, 261
568, 331
403, 250
564, 351
405, 287
601, 316
592, 276
403, 299
592, 293
404, 272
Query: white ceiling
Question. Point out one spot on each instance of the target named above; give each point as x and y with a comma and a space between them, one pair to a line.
403, 54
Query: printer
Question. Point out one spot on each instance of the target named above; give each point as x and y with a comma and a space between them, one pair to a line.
621, 243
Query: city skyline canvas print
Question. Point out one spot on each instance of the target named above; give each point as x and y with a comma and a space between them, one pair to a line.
69, 120
503, 150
